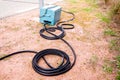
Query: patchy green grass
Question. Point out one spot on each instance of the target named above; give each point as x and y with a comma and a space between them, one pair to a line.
110, 32
112, 44
87, 9
118, 61
108, 68
115, 9
91, 1
115, 45
73, 1
34, 32
5, 26
118, 75
29, 24
118, 67
16, 28
94, 59
103, 18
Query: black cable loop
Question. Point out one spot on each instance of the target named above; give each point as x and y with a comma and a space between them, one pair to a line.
65, 65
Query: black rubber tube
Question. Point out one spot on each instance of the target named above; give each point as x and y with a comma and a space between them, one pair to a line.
65, 65
51, 71
52, 37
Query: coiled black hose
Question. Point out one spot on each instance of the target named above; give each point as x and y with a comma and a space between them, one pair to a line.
65, 65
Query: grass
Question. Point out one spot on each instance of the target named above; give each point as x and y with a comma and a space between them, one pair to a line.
16, 28
87, 9
92, 3
29, 24
115, 9
94, 59
34, 32
118, 61
118, 67
108, 68
118, 75
5, 26
2, 55
73, 1
110, 32
114, 45
103, 18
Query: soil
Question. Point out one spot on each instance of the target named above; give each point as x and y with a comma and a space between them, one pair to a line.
20, 32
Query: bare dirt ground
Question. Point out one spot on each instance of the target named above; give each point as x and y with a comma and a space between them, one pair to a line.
19, 32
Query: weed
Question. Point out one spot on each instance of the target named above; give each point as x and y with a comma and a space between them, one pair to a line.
108, 65
38, 40
29, 24
107, 68
118, 58
116, 8
38, 24
117, 77
16, 28
2, 55
5, 26
109, 32
118, 67
73, 1
103, 18
94, 59
118, 61
34, 32
87, 9
91, 1
78, 38
114, 45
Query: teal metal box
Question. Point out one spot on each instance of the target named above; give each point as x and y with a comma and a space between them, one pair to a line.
50, 14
